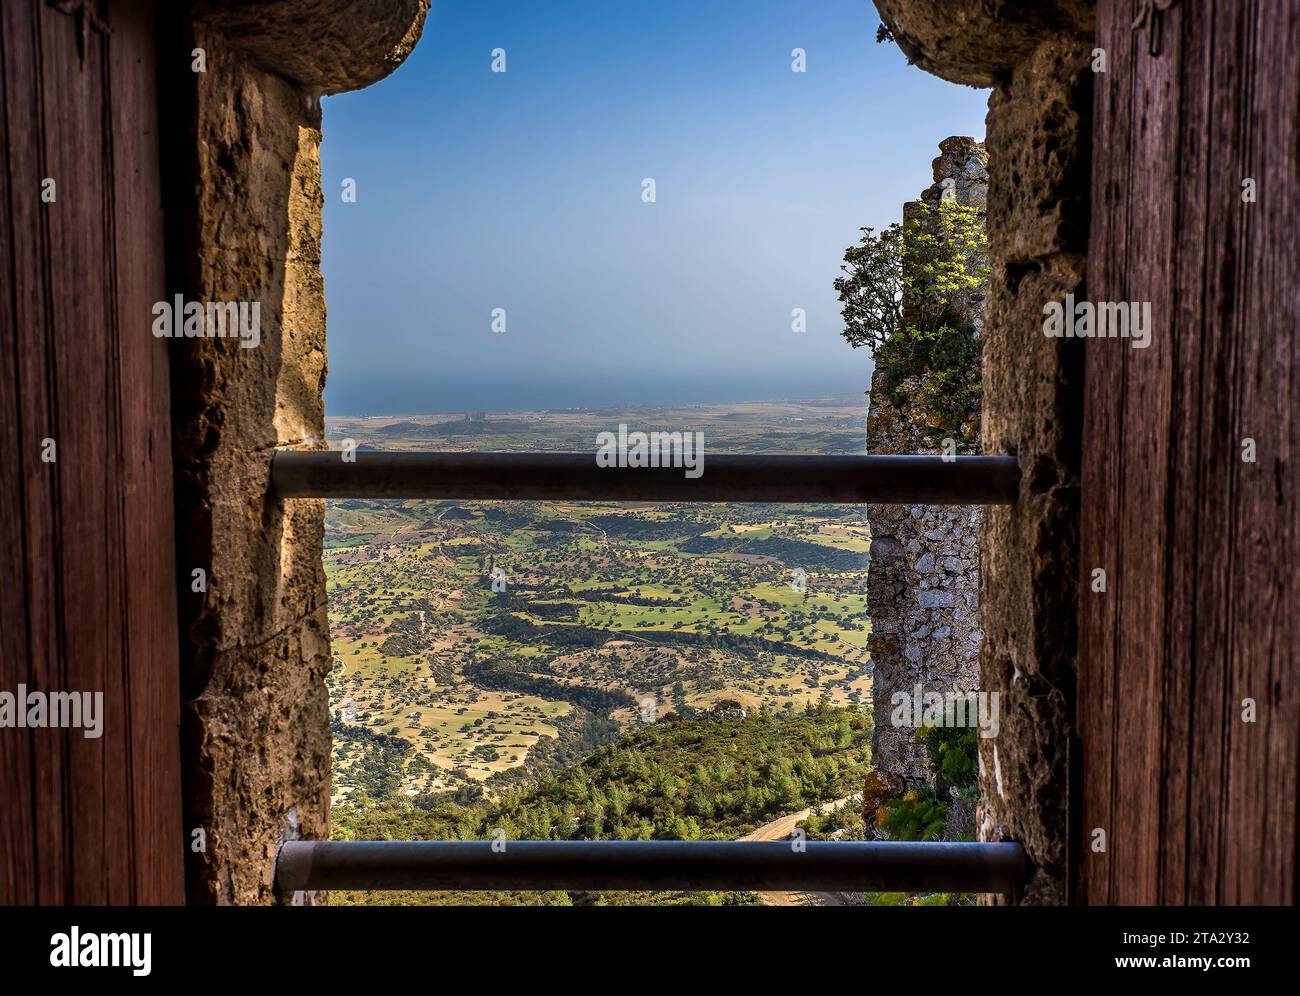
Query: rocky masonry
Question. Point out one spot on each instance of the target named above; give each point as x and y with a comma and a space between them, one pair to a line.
923, 584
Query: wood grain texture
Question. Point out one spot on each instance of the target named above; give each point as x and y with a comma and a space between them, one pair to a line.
89, 601
1201, 548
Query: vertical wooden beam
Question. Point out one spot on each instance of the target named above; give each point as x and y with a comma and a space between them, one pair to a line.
152, 691
1103, 481
79, 284
1202, 545
19, 301
1262, 655
89, 600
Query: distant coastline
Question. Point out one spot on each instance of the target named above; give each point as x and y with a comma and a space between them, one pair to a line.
349, 396
836, 399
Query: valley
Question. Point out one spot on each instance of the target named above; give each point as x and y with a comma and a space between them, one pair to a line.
605, 615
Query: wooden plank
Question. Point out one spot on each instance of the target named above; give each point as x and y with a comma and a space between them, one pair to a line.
1258, 866
1188, 276
72, 103
1143, 448
1208, 707
32, 292
148, 527
1099, 497
1206, 545
1234, 51
17, 854
1277, 152
89, 538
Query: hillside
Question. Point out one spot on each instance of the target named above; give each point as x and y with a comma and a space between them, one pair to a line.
605, 612
704, 778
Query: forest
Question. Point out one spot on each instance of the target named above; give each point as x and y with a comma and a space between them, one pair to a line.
713, 777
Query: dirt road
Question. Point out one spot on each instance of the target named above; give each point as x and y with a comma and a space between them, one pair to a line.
781, 829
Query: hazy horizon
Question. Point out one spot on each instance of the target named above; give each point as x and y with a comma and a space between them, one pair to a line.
541, 399
522, 190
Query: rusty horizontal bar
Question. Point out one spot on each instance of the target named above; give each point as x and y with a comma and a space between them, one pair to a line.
532, 865
879, 480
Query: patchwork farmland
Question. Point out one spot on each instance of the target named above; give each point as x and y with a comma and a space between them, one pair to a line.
604, 615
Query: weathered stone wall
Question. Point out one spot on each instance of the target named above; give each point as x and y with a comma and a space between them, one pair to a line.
1036, 57
244, 217
923, 583
1038, 134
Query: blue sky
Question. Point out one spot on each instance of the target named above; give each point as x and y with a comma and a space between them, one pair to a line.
522, 190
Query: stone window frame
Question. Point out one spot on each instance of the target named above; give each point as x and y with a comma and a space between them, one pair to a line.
244, 222
242, 196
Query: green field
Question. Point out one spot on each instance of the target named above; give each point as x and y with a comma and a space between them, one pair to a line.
612, 614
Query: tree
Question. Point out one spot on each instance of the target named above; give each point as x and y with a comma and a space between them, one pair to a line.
872, 291
909, 296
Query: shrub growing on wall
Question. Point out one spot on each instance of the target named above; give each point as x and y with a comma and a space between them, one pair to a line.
908, 295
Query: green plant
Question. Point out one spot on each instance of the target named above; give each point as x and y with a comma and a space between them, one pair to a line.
954, 756
907, 294
919, 815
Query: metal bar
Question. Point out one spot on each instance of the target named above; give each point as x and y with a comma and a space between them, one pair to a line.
881, 480
818, 866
